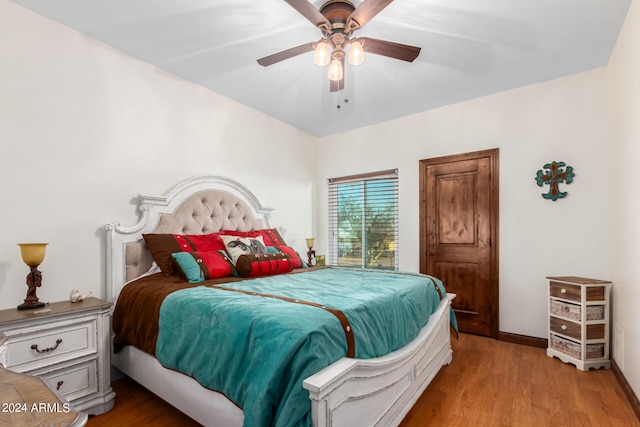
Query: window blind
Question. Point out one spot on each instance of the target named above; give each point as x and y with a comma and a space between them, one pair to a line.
363, 220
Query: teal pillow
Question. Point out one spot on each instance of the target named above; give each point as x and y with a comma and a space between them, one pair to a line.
197, 267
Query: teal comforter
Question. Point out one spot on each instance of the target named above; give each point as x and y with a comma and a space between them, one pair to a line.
258, 350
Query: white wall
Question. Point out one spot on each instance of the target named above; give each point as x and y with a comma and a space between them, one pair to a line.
84, 128
623, 78
558, 120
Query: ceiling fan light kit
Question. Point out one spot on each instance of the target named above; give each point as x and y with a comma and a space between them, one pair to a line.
336, 70
322, 55
356, 53
337, 20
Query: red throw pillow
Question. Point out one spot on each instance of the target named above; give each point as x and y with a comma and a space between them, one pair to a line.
256, 265
162, 246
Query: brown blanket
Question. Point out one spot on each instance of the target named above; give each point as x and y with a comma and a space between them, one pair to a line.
135, 318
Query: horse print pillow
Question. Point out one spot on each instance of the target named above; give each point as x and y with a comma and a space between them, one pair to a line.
237, 246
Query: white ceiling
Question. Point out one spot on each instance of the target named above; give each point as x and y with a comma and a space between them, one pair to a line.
470, 48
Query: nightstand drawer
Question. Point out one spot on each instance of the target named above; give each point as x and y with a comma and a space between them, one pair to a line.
74, 381
49, 344
574, 330
565, 327
565, 291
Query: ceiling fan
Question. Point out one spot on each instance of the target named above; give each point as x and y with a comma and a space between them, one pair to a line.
337, 20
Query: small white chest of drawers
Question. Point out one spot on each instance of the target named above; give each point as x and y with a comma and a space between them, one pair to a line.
579, 321
66, 344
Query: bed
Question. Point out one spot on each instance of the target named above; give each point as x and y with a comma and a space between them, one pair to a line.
377, 389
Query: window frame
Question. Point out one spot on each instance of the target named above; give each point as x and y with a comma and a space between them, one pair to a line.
333, 255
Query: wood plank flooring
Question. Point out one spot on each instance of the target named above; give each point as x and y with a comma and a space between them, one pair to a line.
496, 383
489, 383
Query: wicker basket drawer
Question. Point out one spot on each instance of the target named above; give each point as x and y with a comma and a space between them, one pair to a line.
574, 311
566, 310
595, 312
573, 349
595, 351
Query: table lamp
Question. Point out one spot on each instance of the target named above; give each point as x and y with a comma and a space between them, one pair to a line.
311, 252
32, 255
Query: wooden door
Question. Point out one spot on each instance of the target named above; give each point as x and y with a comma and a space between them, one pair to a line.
459, 234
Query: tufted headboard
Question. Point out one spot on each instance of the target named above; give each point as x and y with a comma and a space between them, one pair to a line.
199, 205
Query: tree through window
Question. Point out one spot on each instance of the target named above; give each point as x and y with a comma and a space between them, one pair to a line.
363, 221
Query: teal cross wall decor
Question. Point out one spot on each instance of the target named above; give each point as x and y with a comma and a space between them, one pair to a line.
553, 177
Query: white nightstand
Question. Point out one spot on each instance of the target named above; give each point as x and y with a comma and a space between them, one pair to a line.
68, 346
579, 321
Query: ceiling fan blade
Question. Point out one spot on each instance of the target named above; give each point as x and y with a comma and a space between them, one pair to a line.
286, 54
365, 12
393, 50
307, 10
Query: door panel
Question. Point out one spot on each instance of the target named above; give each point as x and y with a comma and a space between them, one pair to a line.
455, 273
455, 224
458, 234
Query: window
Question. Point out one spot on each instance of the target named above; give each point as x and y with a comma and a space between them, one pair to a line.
363, 221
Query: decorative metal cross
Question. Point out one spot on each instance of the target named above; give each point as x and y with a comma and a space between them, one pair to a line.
555, 176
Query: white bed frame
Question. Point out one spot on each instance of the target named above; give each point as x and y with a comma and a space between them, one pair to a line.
350, 392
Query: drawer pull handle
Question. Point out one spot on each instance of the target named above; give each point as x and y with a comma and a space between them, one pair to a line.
35, 347
563, 291
564, 327
59, 385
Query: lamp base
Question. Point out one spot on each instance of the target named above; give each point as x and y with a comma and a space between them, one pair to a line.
34, 281
311, 255
31, 305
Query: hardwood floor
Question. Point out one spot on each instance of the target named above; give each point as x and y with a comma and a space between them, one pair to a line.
489, 383
138, 407
495, 383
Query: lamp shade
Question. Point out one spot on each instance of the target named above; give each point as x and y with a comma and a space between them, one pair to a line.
335, 70
356, 53
310, 242
32, 253
321, 55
